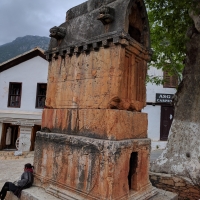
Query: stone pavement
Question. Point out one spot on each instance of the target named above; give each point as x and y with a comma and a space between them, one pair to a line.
155, 154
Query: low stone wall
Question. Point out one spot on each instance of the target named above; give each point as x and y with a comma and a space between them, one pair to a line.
182, 186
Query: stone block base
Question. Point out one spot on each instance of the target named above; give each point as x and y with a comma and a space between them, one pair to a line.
107, 124
92, 168
149, 192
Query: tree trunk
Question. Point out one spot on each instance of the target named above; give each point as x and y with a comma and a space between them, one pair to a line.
182, 153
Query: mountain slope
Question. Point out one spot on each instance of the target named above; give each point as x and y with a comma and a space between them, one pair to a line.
21, 45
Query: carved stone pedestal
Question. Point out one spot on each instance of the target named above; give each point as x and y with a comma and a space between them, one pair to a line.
92, 168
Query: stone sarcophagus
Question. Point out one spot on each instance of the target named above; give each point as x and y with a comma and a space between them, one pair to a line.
93, 143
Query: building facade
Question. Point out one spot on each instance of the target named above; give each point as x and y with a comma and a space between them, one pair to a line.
160, 108
22, 95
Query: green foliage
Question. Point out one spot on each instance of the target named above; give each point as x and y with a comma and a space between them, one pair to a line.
154, 79
169, 21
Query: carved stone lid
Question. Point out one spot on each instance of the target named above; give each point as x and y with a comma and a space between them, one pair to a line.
100, 20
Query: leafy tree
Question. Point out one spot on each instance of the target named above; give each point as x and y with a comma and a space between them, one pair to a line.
169, 21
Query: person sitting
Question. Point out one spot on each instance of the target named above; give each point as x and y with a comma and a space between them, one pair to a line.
26, 181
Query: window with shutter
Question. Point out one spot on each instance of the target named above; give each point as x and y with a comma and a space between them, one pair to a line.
169, 80
14, 95
41, 95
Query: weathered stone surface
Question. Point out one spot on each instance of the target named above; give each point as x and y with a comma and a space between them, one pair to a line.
178, 180
57, 32
106, 15
91, 167
96, 123
33, 193
194, 190
103, 79
83, 27
36, 193
94, 141
154, 178
168, 182
180, 185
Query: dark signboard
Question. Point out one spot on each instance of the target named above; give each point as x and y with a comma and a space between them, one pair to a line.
164, 98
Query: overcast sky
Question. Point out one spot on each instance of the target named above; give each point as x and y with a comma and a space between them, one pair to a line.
31, 17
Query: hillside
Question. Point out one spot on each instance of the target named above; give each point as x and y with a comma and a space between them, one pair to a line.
21, 45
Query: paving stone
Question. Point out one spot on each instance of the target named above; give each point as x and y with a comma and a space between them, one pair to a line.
165, 195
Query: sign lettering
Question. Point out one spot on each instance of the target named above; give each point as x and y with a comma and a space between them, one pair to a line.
164, 98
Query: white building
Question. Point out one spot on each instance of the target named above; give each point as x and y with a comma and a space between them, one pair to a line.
159, 108
22, 94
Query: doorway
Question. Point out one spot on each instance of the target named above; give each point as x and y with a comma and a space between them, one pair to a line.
167, 116
8, 143
132, 175
33, 136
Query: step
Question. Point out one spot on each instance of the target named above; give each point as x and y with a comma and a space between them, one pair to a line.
36, 193
5, 155
33, 193
165, 195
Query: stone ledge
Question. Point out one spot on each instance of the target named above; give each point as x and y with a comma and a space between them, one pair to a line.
119, 37
148, 192
36, 193
165, 195
33, 193
101, 145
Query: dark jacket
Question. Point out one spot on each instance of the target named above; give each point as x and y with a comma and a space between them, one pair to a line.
25, 182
